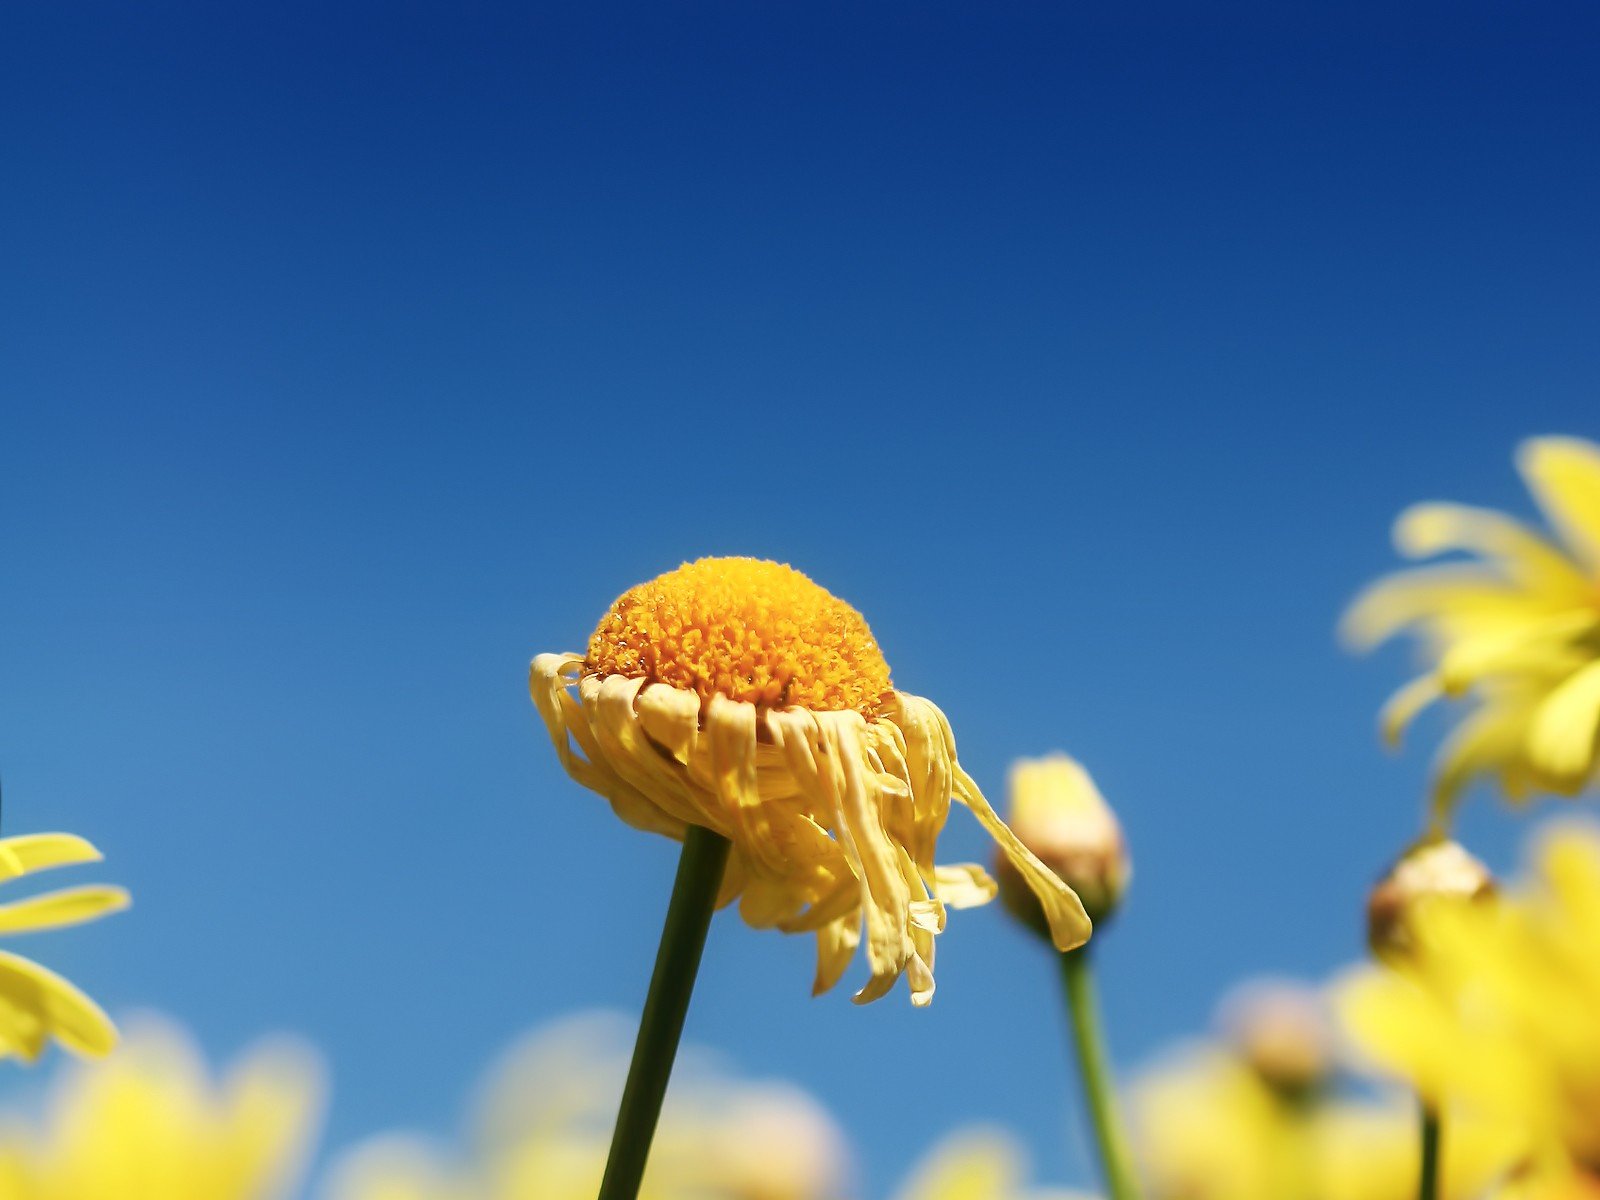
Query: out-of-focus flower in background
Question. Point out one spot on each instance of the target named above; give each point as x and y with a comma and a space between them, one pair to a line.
1517, 631
543, 1127
1256, 1117
738, 695
976, 1164
1059, 814
35, 1004
1497, 1008
149, 1123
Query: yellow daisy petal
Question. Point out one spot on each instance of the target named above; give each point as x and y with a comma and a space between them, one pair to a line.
1562, 734
41, 1004
69, 906
1564, 475
40, 851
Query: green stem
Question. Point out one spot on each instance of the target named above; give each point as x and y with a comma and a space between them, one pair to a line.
683, 937
1428, 1188
1094, 1069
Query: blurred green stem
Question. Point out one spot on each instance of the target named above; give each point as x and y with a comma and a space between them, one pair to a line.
683, 937
1428, 1188
1094, 1069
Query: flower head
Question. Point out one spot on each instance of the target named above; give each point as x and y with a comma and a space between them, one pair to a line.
149, 1124
737, 695
1498, 1004
976, 1164
1517, 631
1213, 1128
545, 1121
1060, 815
35, 1004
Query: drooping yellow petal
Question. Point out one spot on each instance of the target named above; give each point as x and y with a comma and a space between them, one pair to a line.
37, 1004
1070, 926
1564, 475
69, 906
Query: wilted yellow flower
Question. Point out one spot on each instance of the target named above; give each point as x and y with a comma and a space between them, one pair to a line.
36, 1004
976, 1165
737, 695
148, 1124
1517, 631
1498, 1005
1213, 1128
544, 1126
1061, 816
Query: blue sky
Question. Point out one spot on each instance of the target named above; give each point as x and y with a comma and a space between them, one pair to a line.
350, 355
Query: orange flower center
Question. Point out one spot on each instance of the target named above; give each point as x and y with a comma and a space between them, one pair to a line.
745, 629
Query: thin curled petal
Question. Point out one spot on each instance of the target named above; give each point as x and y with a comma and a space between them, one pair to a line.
1070, 926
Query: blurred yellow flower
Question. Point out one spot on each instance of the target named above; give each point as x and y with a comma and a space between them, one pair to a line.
737, 695
976, 1165
544, 1124
148, 1124
36, 1004
1517, 631
1227, 1123
1498, 1005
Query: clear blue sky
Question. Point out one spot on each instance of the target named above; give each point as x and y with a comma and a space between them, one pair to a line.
351, 355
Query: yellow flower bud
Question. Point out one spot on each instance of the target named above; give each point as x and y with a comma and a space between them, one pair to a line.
1434, 869
1059, 814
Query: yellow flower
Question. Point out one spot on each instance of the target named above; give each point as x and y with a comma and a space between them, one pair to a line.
36, 1004
1059, 814
975, 1165
147, 1124
737, 695
1214, 1128
1517, 630
545, 1121
1498, 1004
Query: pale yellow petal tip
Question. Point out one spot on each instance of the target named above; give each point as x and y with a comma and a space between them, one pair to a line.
1422, 530
1536, 455
1402, 708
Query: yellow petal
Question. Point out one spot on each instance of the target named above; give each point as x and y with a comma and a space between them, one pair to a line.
1401, 708
54, 1007
40, 851
1412, 597
1564, 476
70, 906
1427, 529
1070, 926
1561, 737
963, 885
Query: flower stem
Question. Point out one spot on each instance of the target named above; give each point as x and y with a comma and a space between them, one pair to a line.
683, 937
1428, 1188
1094, 1070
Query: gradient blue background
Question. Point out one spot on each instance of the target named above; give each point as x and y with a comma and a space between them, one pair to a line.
351, 355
